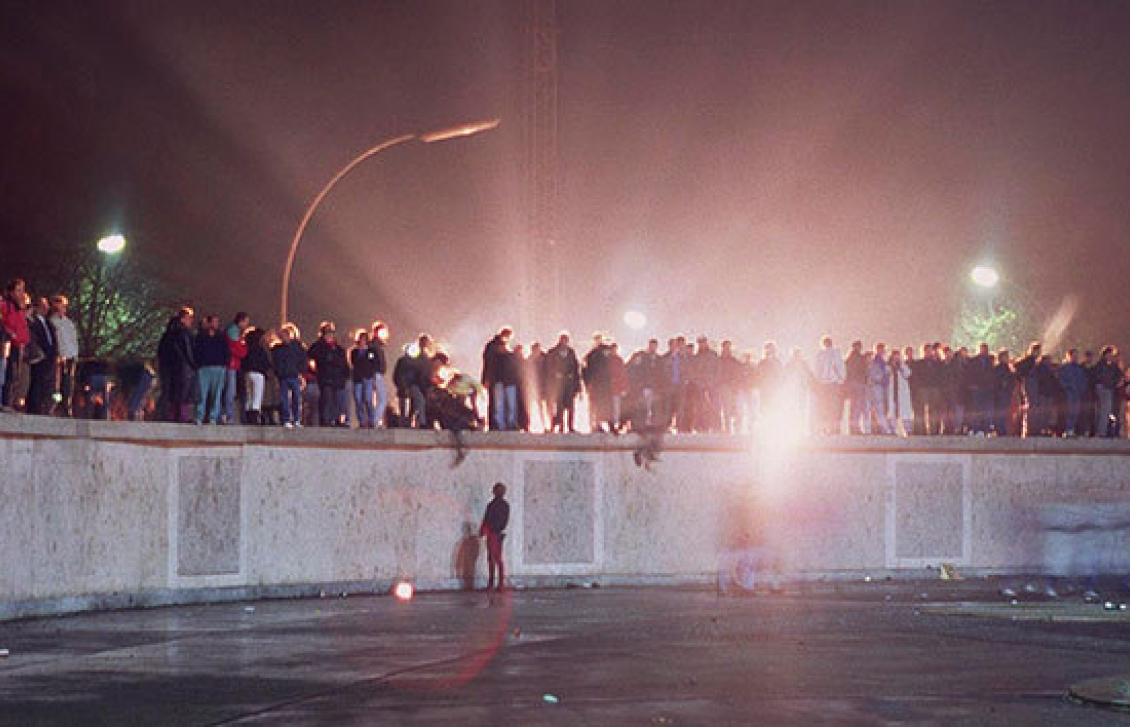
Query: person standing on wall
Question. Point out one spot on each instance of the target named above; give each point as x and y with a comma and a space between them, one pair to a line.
289, 361
210, 352
830, 373
176, 366
13, 340
377, 343
564, 375
67, 342
495, 520
43, 359
331, 368
363, 362
237, 351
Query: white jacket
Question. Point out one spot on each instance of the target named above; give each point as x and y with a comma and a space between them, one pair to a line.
829, 367
66, 336
900, 381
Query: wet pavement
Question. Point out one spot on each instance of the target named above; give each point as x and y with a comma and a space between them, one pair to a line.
877, 653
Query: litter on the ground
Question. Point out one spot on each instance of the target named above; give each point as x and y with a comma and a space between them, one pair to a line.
549, 699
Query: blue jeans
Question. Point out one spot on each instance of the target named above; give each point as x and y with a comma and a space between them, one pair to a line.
290, 392
230, 377
211, 380
877, 408
1073, 400
505, 400
419, 407
1105, 412
334, 403
983, 416
382, 398
363, 403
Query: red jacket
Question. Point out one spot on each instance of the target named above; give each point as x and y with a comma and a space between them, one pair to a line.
14, 320
237, 348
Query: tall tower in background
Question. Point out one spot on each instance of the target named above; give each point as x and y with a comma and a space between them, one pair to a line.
542, 312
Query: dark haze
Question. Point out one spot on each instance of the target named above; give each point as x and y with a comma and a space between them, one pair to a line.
735, 168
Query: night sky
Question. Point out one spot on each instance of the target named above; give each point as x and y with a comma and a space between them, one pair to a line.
735, 168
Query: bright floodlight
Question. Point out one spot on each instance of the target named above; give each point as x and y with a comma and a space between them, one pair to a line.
112, 244
404, 591
985, 276
457, 131
635, 320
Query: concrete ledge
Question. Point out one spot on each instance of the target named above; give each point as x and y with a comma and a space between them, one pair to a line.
185, 435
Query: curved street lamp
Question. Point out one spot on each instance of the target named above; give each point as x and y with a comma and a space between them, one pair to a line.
428, 138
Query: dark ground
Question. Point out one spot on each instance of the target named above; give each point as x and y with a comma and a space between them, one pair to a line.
862, 653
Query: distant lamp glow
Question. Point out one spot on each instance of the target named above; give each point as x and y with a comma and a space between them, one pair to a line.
635, 320
403, 591
985, 276
112, 244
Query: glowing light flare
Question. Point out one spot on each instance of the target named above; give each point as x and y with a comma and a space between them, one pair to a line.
1056, 328
413, 350
455, 132
635, 320
985, 276
111, 244
779, 432
403, 591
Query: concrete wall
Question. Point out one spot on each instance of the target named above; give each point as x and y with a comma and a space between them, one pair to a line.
99, 514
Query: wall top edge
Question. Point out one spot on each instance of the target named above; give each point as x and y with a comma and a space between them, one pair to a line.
18, 426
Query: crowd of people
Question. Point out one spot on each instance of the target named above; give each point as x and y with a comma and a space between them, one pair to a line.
209, 372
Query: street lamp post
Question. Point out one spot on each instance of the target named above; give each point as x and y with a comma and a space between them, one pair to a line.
987, 277
428, 138
109, 247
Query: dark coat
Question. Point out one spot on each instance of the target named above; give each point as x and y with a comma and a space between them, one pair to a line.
289, 360
174, 351
43, 335
923, 374
513, 368
404, 375
364, 362
330, 364
494, 363
855, 366
257, 360
645, 371
382, 359
210, 349
562, 372
496, 518
979, 373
